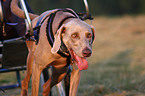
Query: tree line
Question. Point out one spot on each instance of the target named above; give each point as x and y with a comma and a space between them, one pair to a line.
97, 7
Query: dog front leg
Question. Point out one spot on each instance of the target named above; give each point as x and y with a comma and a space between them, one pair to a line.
36, 72
30, 60
25, 82
74, 82
57, 76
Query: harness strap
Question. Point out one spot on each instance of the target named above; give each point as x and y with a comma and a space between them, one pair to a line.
63, 50
38, 25
60, 24
63, 47
49, 31
71, 11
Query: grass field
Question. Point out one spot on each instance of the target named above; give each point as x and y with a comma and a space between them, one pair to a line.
117, 65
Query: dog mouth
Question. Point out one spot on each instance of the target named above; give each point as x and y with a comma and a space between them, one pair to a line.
79, 62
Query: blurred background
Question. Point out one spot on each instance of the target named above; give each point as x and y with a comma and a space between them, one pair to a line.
97, 7
117, 65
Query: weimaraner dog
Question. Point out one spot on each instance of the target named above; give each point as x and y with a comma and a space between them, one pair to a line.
62, 38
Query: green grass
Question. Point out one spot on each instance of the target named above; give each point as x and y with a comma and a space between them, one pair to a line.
117, 65
113, 75
9, 77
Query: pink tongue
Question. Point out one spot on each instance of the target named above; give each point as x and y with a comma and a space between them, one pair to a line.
82, 63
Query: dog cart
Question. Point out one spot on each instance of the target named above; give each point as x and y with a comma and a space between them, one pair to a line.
13, 53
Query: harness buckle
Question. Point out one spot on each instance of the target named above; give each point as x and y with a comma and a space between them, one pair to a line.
29, 37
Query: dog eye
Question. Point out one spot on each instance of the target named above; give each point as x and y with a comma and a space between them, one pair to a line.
75, 35
88, 35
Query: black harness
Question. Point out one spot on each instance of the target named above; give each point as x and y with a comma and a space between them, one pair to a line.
63, 51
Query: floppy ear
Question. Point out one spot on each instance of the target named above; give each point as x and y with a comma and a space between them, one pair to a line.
94, 31
57, 40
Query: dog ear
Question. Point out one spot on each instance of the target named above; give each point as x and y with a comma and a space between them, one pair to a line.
94, 31
57, 40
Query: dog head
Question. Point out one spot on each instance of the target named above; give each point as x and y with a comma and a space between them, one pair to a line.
78, 37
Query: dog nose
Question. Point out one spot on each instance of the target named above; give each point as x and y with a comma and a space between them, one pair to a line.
86, 52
